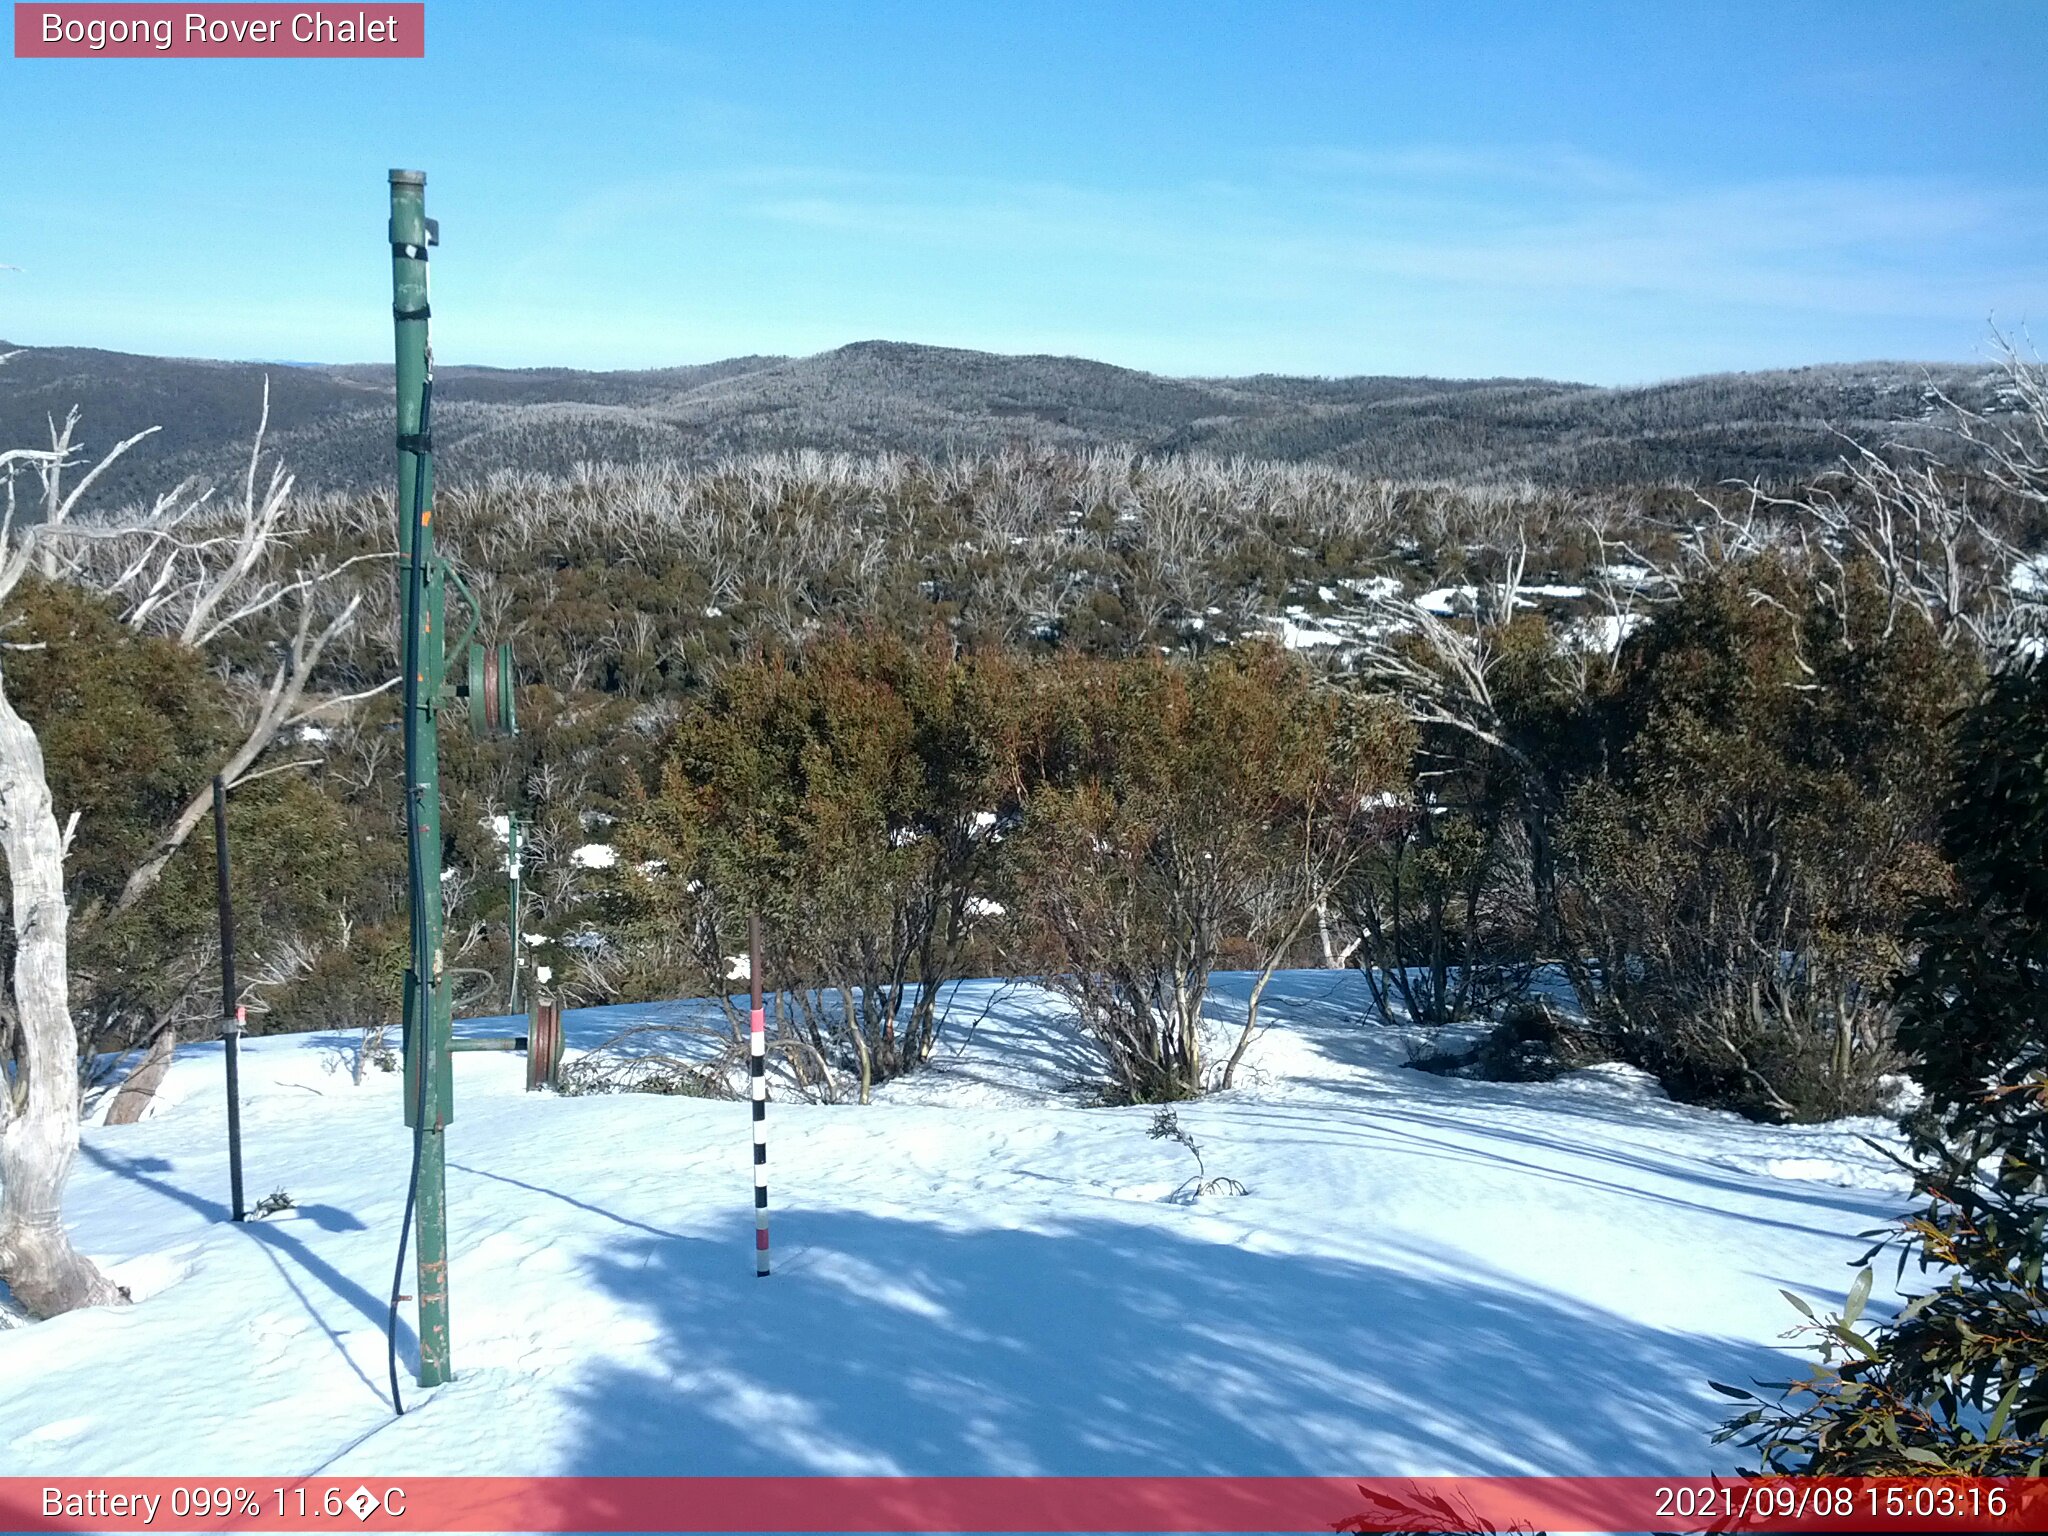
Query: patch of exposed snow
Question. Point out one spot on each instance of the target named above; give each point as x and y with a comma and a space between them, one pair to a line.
1302, 637
1602, 632
1447, 602
1820, 1170
1900, 1094
1376, 586
1617, 1078
1627, 574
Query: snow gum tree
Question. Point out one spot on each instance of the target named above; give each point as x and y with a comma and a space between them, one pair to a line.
1458, 901
39, 1107
190, 573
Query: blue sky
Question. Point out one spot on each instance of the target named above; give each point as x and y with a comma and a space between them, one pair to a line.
1612, 193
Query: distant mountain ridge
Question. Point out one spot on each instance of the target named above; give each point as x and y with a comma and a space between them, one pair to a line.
331, 422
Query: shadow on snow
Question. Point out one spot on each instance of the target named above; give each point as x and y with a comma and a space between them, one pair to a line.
891, 1346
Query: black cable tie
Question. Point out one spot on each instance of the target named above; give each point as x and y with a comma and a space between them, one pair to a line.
415, 442
409, 252
421, 313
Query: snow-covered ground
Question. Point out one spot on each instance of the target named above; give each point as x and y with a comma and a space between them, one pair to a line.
977, 1274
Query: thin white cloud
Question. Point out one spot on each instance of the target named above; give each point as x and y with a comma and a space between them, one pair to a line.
1418, 259
1551, 166
1846, 245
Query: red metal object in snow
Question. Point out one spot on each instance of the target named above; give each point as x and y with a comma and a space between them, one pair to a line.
544, 1044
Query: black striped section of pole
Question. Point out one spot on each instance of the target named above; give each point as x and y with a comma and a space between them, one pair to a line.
757, 1090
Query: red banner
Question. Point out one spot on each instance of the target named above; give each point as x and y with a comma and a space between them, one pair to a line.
242, 31
1011, 1504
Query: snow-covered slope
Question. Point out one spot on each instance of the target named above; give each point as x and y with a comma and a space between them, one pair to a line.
977, 1274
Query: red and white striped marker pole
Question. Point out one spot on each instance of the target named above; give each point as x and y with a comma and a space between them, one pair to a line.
757, 1086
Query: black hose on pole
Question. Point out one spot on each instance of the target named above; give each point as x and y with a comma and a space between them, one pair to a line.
418, 1021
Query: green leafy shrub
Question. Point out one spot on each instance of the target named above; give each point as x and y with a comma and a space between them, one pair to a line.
1175, 812
1741, 867
1957, 1382
852, 795
132, 727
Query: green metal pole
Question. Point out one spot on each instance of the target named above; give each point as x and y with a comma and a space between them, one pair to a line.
429, 1100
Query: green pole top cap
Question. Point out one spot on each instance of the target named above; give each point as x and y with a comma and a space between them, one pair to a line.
408, 178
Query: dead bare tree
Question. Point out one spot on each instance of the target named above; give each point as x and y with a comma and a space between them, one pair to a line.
1901, 515
215, 577
1447, 667
1442, 667
40, 1086
183, 575
1913, 518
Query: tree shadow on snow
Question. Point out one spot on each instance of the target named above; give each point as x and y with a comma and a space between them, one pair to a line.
893, 1346
1493, 1144
287, 1252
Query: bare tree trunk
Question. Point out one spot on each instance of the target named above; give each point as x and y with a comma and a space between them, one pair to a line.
286, 691
141, 1084
39, 1110
1269, 967
1251, 1023
1334, 959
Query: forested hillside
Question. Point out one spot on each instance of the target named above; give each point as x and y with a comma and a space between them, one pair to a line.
1462, 705
331, 422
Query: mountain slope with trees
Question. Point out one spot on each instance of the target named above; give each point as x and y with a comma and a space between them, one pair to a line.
330, 421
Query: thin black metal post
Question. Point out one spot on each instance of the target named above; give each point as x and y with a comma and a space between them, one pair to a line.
232, 1016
